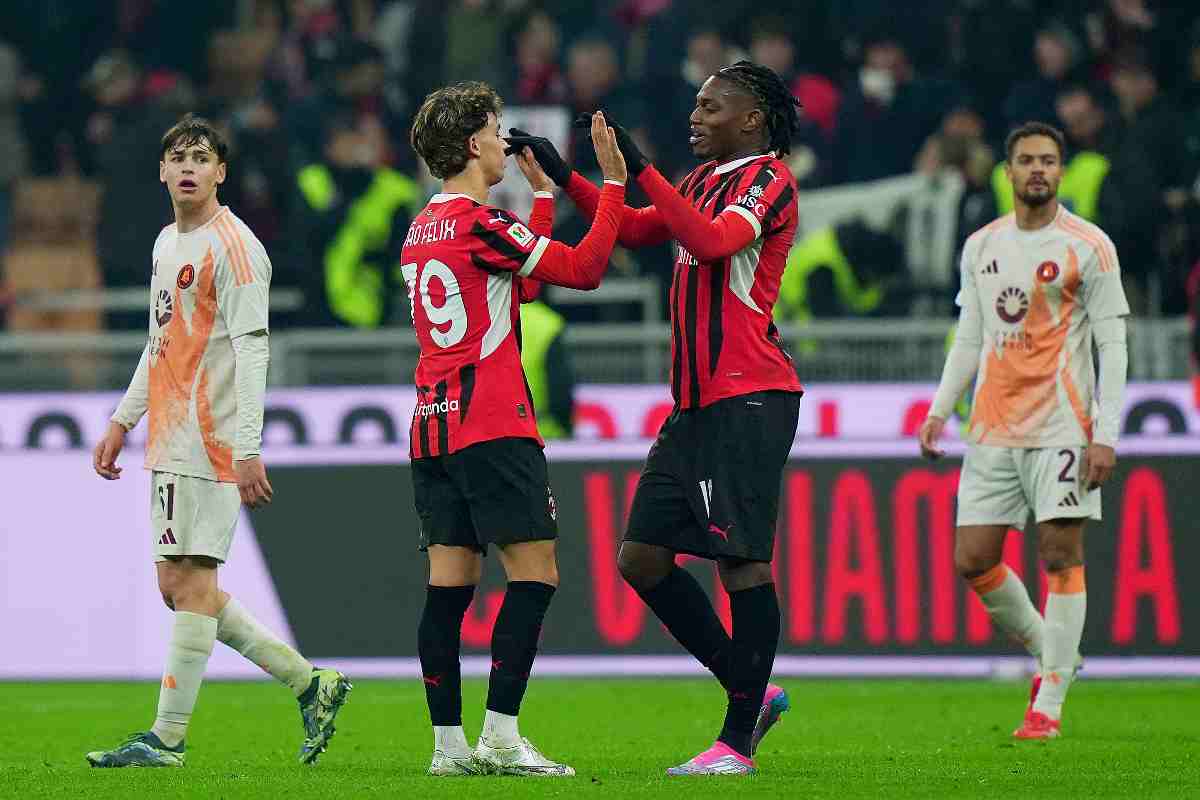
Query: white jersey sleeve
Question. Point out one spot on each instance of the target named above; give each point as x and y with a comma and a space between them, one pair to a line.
1103, 295
243, 282
962, 362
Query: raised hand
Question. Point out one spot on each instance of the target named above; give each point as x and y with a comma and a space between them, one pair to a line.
635, 160
537, 178
608, 153
543, 151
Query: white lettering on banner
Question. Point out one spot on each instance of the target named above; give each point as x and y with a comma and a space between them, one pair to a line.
380, 415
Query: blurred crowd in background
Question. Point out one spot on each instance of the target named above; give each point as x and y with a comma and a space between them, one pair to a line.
317, 96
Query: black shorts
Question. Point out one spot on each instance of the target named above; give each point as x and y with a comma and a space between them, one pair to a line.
710, 486
495, 492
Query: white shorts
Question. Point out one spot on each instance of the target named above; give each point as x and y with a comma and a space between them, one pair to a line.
1000, 485
192, 516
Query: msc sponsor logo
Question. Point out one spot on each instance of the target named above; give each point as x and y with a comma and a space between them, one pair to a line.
429, 409
753, 202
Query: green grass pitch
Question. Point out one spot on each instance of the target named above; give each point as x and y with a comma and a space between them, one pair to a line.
841, 739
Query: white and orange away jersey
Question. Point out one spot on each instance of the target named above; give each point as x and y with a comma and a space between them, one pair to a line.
209, 286
1034, 296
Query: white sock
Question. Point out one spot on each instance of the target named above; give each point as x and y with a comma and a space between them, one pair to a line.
192, 640
451, 740
242, 632
500, 730
1066, 609
1007, 602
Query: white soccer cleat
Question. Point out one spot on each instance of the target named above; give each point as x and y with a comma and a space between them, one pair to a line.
444, 765
520, 759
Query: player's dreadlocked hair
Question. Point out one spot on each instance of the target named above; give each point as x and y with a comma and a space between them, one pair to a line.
774, 98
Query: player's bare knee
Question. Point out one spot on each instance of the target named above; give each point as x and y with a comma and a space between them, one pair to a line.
531, 561
640, 566
971, 562
1056, 557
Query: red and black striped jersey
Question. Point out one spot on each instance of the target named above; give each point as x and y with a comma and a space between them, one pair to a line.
464, 264
723, 340
733, 225
459, 261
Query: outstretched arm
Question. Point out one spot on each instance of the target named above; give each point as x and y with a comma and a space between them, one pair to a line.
707, 240
582, 266
640, 227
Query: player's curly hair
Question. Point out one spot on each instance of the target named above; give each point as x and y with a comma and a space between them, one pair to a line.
774, 99
446, 119
192, 130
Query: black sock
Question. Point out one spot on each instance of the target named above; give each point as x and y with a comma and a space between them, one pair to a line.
755, 639
514, 643
439, 637
687, 612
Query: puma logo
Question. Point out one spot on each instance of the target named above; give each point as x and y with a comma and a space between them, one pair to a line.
717, 531
433, 680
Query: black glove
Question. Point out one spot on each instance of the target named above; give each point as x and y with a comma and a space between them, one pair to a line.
635, 161
543, 151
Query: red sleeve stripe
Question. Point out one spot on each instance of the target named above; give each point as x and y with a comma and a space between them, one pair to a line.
234, 251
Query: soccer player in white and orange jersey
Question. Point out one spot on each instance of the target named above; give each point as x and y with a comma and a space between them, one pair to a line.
202, 377
1040, 286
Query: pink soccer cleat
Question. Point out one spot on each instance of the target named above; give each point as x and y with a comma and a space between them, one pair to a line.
720, 759
775, 702
1038, 726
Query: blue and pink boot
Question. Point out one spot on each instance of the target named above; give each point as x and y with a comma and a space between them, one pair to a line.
721, 759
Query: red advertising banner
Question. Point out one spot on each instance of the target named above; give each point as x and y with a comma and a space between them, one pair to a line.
864, 566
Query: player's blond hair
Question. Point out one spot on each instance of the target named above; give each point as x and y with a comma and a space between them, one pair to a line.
447, 119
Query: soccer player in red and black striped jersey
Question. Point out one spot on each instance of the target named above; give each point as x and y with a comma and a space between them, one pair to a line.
479, 474
711, 482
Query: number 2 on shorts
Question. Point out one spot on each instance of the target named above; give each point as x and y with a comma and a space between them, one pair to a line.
1065, 475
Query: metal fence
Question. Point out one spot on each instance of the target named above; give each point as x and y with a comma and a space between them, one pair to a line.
843, 350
